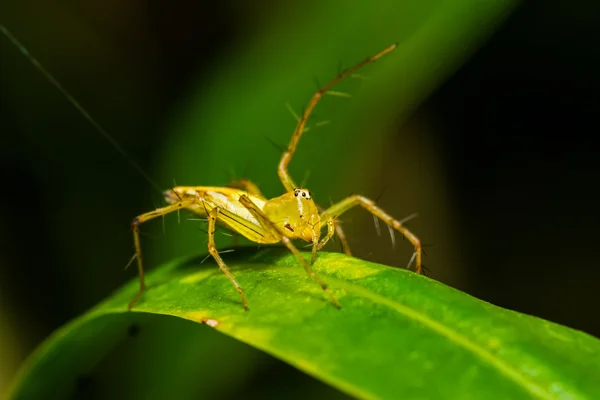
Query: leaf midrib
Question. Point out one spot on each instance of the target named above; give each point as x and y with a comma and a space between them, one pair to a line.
506, 369
454, 336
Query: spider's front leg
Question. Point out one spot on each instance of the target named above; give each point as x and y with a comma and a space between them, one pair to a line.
339, 208
342, 236
287, 155
333, 227
269, 226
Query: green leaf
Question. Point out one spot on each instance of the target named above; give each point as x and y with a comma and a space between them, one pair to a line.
398, 334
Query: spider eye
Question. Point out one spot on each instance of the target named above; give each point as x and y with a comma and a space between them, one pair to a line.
303, 194
296, 194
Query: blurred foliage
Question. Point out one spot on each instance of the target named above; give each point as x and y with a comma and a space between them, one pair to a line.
202, 115
397, 335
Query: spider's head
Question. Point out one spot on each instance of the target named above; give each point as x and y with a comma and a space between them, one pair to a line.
296, 213
302, 194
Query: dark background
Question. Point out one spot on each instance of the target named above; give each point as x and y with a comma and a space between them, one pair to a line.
499, 159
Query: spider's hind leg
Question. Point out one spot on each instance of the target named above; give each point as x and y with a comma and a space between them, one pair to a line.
135, 227
247, 185
212, 249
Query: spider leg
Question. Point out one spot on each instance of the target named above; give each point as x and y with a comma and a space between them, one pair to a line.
247, 185
269, 226
333, 223
212, 249
339, 208
342, 236
286, 157
135, 227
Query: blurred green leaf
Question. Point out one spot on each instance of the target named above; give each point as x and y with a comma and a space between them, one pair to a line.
221, 128
398, 334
